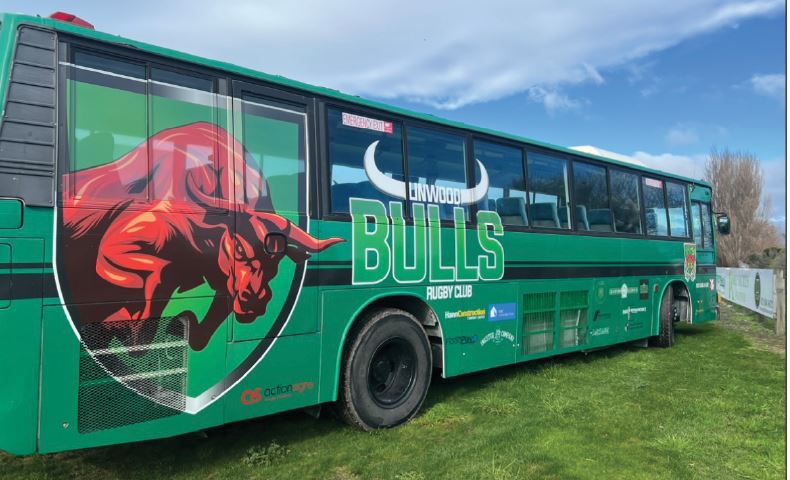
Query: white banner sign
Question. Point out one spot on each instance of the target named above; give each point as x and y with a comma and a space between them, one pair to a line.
752, 288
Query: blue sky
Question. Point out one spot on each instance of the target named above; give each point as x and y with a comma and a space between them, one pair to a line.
661, 82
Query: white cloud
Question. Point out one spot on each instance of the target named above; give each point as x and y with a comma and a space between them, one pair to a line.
681, 135
553, 100
771, 85
441, 53
691, 166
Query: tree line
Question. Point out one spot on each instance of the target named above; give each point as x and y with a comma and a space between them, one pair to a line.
738, 180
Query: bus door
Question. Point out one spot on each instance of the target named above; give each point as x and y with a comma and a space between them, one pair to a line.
270, 248
703, 288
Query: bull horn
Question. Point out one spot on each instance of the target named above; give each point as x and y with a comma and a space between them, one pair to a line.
301, 244
397, 189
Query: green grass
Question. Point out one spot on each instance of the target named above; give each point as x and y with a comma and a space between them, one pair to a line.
712, 407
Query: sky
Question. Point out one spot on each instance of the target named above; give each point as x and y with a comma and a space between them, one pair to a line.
659, 81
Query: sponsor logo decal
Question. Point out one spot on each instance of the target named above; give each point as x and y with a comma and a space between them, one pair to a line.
628, 311
497, 337
474, 314
690, 261
462, 340
276, 392
498, 312
622, 291
599, 331
644, 289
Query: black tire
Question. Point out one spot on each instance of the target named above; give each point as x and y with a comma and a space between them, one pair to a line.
666, 325
386, 371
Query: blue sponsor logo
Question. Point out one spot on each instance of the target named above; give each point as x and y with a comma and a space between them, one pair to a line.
498, 312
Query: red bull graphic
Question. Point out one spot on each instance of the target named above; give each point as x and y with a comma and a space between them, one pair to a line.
122, 255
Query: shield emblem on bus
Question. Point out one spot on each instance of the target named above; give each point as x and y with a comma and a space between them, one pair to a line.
161, 249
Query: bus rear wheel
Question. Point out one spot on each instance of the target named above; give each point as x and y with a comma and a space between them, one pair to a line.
386, 371
667, 317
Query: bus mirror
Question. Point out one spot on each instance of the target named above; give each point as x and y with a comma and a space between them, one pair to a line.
723, 223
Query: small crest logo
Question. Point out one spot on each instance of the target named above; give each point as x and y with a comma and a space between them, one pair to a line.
496, 337
690, 261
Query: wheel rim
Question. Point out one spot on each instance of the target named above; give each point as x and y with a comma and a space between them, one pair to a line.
391, 372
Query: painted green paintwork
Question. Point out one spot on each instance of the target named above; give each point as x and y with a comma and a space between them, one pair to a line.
553, 316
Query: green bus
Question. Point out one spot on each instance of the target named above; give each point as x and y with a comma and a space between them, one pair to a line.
186, 243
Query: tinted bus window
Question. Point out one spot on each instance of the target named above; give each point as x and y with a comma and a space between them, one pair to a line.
548, 191
107, 119
707, 226
507, 191
625, 202
177, 99
655, 207
696, 223
350, 136
436, 168
678, 211
273, 135
591, 196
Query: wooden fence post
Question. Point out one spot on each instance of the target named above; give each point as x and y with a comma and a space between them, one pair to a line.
780, 301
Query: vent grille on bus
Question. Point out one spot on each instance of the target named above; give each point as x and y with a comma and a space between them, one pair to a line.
28, 130
541, 321
147, 386
573, 318
539, 310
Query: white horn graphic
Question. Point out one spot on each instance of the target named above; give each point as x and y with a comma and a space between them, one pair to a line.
397, 189
385, 184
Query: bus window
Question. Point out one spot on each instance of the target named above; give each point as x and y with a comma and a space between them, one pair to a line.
696, 223
436, 159
273, 135
548, 191
707, 226
655, 207
678, 211
506, 191
350, 135
625, 202
99, 87
177, 99
591, 196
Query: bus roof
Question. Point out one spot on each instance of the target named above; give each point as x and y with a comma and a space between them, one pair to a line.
14, 20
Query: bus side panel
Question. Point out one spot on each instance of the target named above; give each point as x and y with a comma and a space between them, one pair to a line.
20, 342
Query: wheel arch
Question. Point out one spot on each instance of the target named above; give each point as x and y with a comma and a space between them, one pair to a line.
408, 302
681, 290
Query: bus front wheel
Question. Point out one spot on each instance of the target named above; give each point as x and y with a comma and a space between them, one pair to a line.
386, 371
667, 315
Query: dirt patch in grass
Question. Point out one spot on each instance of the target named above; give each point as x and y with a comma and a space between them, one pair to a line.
758, 330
